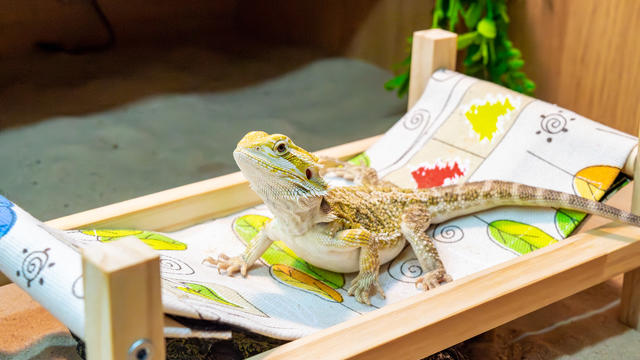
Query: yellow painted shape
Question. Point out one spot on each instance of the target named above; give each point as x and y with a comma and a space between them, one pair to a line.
593, 181
154, 240
302, 281
484, 118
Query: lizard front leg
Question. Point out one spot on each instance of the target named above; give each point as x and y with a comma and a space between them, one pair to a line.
252, 252
359, 174
366, 281
415, 222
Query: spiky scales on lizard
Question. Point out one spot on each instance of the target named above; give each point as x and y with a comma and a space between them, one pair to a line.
358, 228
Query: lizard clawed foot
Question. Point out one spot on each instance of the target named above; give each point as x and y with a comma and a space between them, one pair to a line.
229, 264
433, 279
363, 285
359, 174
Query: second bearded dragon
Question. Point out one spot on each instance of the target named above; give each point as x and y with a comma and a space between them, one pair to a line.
358, 228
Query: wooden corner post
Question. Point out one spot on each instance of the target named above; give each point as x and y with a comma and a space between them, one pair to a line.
123, 302
431, 50
630, 301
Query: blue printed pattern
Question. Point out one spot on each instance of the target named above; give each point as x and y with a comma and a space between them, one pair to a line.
7, 216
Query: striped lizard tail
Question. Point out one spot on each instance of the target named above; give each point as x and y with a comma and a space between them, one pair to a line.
477, 196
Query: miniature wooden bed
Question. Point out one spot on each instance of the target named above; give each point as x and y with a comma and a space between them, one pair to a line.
413, 328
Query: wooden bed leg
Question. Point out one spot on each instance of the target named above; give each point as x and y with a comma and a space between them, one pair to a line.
123, 303
431, 50
630, 301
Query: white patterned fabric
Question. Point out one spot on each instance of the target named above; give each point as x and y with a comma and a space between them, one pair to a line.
462, 129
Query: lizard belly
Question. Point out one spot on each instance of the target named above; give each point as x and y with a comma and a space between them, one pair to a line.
315, 248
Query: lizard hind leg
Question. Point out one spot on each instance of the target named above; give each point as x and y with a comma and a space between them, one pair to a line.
414, 225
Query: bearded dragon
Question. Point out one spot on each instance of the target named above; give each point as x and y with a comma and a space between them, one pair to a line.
358, 228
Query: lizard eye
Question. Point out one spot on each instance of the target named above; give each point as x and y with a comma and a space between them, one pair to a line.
308, 173
281, 147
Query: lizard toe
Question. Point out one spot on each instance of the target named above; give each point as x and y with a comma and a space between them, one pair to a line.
363, 286
210, 260
229, 265
243, 269
433, 279
380, 291
233, 269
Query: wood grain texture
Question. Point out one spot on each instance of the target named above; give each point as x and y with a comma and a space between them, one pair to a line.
583, 55
123, 301
630, 299
432, 49
373, 30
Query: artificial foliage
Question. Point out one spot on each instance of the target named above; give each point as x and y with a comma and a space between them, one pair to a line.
489, 54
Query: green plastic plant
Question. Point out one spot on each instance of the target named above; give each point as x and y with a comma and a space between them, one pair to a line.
482, 25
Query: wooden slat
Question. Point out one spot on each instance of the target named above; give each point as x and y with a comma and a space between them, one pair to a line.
123, 301
432, 321
186, 205
432, 49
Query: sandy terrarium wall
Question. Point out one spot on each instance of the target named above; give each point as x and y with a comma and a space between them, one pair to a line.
571, 47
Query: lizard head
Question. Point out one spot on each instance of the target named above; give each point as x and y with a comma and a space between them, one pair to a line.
276, 167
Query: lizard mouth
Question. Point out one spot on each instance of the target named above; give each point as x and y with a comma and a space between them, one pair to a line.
244, 158
259, 168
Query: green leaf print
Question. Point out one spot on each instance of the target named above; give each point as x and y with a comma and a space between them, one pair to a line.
520, 237
361, 159
205, 292
568, 220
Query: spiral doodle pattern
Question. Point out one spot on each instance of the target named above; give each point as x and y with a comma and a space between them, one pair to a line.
411, 269
416, 119
173, 266
405, 268
553, 123
33, 264
448, 233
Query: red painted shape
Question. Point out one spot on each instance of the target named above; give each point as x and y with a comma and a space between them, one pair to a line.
431, 176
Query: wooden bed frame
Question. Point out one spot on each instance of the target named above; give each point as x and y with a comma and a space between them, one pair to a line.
413, 328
